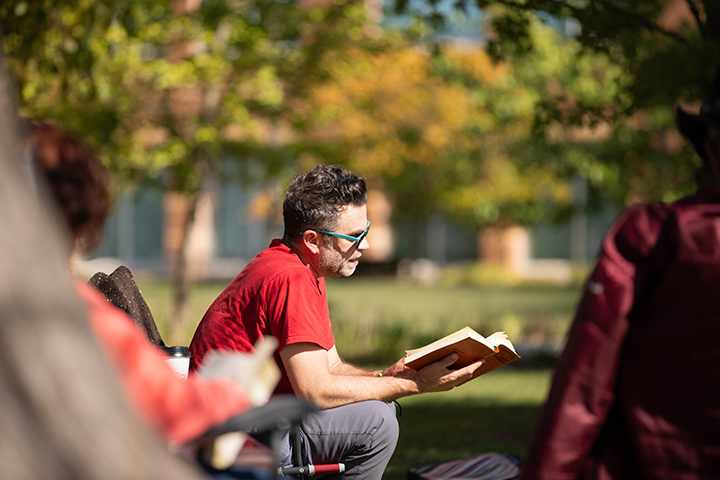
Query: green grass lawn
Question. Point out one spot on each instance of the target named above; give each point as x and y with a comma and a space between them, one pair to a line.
375, 319
495, 412
158, 294
378, 319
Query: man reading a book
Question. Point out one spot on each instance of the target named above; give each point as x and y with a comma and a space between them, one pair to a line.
281, 293
635, 392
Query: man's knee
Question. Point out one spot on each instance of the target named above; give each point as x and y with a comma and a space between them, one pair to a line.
385, 427
369, 426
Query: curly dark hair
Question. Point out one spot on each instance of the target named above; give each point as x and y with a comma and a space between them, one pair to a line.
316, 198
77, 180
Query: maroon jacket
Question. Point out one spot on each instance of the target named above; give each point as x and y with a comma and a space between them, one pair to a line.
636, 392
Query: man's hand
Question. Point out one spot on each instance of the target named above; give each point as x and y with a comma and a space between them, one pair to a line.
436, 377
322, 377
398, 369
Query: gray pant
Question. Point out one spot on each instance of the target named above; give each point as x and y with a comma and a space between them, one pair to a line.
361, 435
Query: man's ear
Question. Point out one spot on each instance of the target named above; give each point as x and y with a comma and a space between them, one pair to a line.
311, 240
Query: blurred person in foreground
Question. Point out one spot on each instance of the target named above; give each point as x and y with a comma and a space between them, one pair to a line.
635, 394
178, 410
281, 293
62, 411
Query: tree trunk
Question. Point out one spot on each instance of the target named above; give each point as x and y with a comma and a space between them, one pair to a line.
181, 277
183, 283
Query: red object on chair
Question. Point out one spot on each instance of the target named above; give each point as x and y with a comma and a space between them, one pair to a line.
312, 470
300, 469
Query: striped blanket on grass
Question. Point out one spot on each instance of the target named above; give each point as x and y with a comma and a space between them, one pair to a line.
488, 466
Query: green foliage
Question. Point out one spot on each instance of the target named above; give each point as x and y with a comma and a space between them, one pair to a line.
159, 91
670, 49
168, 92
600, 82
489, 135
491, 142
449, 131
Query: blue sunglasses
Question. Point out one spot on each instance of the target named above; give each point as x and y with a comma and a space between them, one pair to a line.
357, 239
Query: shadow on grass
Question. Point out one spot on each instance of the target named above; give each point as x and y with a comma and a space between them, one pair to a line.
441, 432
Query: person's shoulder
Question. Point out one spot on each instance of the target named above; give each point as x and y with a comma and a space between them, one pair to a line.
643, 226
291, 273
636, 230
277, 257
649, 216
277, 264
706, 199
649, 212
279, 250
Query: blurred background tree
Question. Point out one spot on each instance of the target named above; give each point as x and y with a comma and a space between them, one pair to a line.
453, 129
169, 90
495, 131
633, 62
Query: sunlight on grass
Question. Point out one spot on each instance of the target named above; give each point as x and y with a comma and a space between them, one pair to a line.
376, 319
495, 412
159, 296
509, 385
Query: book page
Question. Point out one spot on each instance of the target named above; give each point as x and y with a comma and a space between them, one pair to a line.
466, 342
496, 349
466, 332
500, 338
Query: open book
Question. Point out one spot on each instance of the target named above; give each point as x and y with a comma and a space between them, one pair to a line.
496, 349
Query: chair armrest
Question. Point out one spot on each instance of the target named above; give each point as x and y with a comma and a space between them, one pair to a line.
280, 413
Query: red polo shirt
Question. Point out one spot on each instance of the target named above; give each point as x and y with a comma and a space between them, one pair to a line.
275, 295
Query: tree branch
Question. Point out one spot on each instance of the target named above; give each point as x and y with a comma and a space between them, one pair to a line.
617, 13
